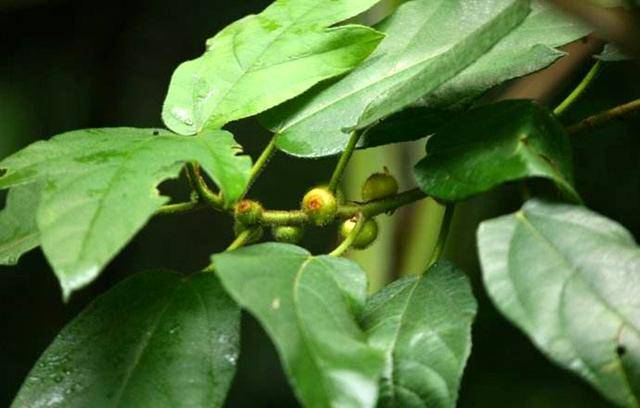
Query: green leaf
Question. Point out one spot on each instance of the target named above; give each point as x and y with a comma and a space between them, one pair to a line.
409, 124
155, 340
528, 48
263, 60
307, 305
18, 229
423, 323
494, 144
428, 42
100, 188
570, 279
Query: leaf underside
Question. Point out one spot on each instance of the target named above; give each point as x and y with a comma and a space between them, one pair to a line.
263, 60
570, 279
419, 38
155, 340
99, 188
308, 306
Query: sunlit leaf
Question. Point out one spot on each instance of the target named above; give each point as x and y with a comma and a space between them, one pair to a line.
428, 42
318, 123
100, 188
263, 60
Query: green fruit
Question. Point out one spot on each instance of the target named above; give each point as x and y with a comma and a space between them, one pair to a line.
248, 212
320, 205
288, 234
365, 237
378, 186
255, 235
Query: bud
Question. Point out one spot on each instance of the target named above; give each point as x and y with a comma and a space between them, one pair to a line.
320, 205
248, 212
288, 234
378, 186
365, 237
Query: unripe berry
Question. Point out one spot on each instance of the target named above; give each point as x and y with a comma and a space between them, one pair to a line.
248, 212
320, 205
365, 237
255, 235
378, 186
288, 234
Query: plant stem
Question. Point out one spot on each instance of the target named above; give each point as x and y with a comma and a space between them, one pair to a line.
260, 164
579, 90
602, 118
280, 217
208, 196
180, 208
240, 240
348, 241
442, 238
344, 160
369, 210
373, 208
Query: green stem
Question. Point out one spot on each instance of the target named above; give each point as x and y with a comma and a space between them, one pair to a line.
240, 240
344, 160
261, 163
373, 208
442, 238
602, 118
208, 196
369, 210
180, 208
348, 241
579, 90
279, 217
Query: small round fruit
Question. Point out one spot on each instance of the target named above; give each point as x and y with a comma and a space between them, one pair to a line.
378, 186
255, 233
248, 212
365, 237
320, 205
288, 234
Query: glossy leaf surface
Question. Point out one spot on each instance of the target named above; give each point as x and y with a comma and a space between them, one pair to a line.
18, 229
263, 60
423, 323
155, 340
100, 188
570, 279
307, 306
427, 43
494, 144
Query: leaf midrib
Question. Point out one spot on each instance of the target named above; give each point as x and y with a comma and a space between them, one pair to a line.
143, 346
101, 199
574, 270
251, 66
303, 328
375, 82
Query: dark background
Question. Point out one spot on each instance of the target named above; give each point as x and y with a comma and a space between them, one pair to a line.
73, 64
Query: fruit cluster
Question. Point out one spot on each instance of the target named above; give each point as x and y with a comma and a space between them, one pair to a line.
320, 205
